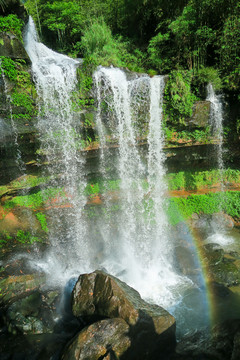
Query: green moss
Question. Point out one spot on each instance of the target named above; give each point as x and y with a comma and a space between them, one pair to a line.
43, 221
194, 180
28, 181
23, 92
36, 200
179, 209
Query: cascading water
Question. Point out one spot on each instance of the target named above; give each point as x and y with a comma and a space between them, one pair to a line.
55, 78
138, 248
216, 121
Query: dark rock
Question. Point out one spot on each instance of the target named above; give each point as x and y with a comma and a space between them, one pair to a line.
221, 267
97, 341
32, 347
222, 343
99, 295
12, 47
17, 287
32, 315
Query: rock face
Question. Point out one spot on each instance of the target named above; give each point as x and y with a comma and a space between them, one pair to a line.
150, 329
11, 46
201, 113
100, 340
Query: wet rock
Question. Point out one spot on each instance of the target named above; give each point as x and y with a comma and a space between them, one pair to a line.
201, 111
222, 343
32, 347
221, 221
32, 315
99, 295
221, 267
103, 339
12, 47
17, 287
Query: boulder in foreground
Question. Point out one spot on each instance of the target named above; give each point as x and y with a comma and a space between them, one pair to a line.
151, 329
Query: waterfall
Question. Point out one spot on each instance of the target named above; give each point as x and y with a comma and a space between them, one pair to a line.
137, 241
58, 128
132, 240
220, 235
216, 122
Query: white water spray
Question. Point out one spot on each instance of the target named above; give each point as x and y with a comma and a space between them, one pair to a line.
216, 121
139, 248
55, 78
135, 244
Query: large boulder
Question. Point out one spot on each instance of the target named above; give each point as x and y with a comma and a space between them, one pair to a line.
151, 328
100, 340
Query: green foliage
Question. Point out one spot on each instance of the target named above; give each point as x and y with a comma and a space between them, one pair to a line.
25, 237
178, 97
81, 98
195, 180
13, 24
98, 43
160, 51
174, 137
8, 66
229, 51
22, 92
22, 100
43, 221
179, 209
28, 181
3, 242
205, 75
36, 200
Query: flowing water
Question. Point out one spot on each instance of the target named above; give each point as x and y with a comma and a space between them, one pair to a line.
220, 235
141, 250
58, 128
216, 122
131, 237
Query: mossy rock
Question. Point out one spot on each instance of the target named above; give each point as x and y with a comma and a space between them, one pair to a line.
17, 287
221, 267
201, 112
12, 47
